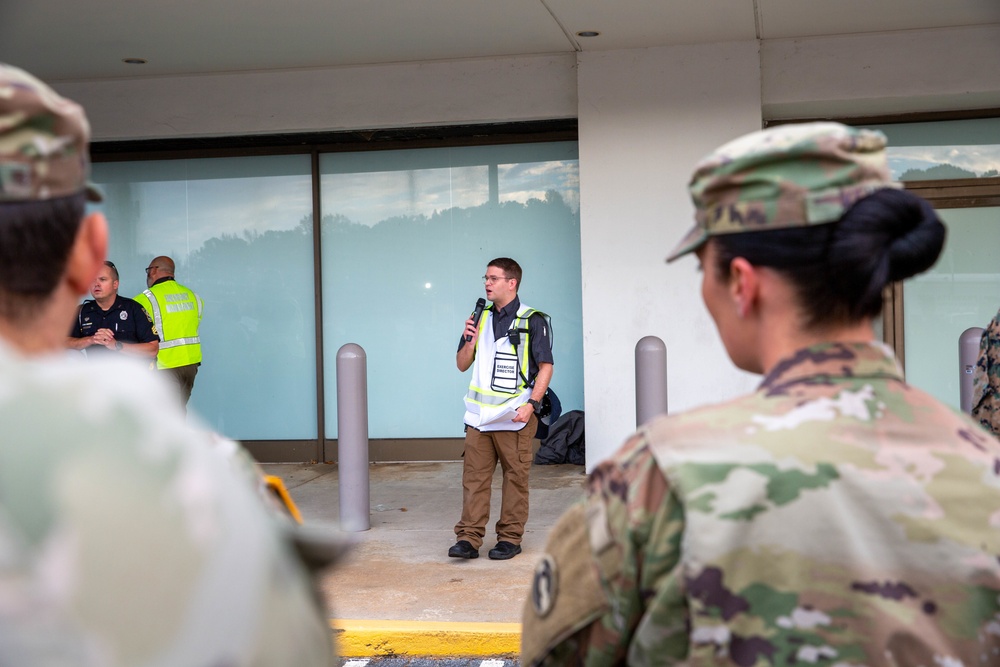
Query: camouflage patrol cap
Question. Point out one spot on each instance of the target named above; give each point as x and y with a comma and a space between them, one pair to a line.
786, 176
43, 141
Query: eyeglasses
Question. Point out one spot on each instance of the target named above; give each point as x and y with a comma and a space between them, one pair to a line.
490, 280
150, 268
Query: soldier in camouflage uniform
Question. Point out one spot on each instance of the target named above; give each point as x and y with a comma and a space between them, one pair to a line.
127, 538
986, 379
834, 517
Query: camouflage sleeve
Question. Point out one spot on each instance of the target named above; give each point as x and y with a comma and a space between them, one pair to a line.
137, 539
617, 547
986, 379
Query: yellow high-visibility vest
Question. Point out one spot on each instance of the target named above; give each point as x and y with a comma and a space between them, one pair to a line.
176, 313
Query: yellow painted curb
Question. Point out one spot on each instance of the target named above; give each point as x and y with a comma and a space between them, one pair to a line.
425, 638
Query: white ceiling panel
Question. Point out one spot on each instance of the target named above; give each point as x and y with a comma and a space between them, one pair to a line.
62, 40
628, 24
183, 36
782, 19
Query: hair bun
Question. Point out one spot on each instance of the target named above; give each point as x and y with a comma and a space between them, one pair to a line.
886, 237
919, 235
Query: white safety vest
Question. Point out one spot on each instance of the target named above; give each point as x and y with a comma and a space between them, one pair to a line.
499, 383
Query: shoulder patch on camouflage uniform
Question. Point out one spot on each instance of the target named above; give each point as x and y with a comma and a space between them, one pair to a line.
545, 586
561, 611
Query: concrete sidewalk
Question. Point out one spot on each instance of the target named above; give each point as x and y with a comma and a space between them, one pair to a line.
398, 592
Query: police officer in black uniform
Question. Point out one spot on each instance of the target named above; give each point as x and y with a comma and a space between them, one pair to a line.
110, 323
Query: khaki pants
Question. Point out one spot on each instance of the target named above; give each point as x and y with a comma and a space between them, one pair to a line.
482, 451
183, 378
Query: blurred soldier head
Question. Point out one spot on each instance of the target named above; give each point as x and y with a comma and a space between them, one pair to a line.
106, 488
50, 249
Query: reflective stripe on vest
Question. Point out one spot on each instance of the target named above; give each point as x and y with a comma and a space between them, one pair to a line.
180, 341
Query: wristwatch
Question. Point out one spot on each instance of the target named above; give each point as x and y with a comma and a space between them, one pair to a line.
118, 345
535, 404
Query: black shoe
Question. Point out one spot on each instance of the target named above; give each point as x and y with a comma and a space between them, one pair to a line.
463, 549
504, 550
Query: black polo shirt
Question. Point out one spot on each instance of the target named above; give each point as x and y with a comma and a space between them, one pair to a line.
125, 317
539, 334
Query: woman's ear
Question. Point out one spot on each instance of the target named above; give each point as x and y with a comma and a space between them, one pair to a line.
744, 285
87, 255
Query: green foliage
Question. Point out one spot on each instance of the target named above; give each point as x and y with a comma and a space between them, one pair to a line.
937, 172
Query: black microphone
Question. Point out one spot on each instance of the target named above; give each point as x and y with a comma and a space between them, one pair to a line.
476, 314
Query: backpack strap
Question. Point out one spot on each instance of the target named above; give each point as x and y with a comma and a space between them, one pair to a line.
514, 336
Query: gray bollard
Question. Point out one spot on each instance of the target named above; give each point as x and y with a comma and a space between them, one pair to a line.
650, 379
352, 438
968, 355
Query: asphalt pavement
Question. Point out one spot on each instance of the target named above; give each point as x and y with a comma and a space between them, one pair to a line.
397, 596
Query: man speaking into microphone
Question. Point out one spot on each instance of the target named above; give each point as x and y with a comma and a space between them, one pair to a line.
509, 347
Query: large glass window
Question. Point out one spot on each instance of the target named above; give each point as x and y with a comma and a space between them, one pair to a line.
240, 232
957, 149
406, 236
961, 291
955, 164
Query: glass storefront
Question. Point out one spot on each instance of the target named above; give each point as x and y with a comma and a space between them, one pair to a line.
405, 237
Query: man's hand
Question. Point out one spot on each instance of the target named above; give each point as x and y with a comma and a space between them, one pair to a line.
524, 413
467, 353
471, 332
105, 337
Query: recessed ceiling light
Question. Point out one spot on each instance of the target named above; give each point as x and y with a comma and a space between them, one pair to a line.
134, 61
587, 33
